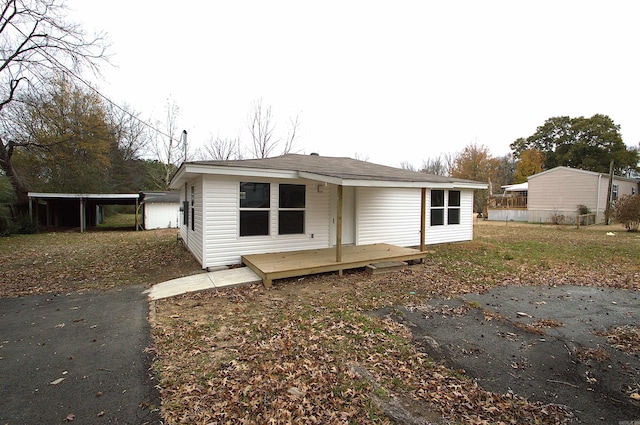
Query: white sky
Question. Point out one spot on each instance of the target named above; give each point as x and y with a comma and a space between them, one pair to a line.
389, 81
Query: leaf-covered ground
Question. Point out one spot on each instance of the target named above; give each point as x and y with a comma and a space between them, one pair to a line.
69, 261
307, 351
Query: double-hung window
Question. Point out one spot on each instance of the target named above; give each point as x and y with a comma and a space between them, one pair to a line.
291, 208
445, 201
255, 200
453, 207
437, 207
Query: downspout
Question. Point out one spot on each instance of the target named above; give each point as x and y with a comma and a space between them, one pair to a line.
186, 212
339, 227
423, 217
598, 196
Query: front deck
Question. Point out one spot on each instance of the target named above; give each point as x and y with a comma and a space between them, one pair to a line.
282, 265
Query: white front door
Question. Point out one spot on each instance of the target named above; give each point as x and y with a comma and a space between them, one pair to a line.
348, 215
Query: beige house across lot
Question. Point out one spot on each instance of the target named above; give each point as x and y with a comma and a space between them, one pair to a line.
560, 192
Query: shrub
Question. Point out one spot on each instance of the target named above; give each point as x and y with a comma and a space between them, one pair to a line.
583, 209
626, 211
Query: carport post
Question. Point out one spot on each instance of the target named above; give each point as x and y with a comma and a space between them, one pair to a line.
82, 216
339, 227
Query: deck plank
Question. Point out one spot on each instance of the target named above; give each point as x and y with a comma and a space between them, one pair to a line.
281, 265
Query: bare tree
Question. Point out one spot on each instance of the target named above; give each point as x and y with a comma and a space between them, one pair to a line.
262, 128
35, 42
220, 149
292, 135
361, 157
406, 165
169, 146
437, 165
129, 131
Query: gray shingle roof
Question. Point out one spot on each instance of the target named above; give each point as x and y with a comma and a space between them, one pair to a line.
337, 167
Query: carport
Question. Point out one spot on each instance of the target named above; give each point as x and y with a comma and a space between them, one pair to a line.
76, 209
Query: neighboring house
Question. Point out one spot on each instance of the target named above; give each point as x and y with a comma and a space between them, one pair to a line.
511, 205
160, 210
290, 203
558, 193
561, 190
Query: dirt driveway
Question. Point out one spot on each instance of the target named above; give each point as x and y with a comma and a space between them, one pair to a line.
541, 343
76, 357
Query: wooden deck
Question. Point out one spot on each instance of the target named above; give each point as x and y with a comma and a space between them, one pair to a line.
282, 265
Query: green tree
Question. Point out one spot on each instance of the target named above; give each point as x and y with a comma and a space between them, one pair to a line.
476, 163
37, 40
69, 138
585, 143
505, 173
531, 162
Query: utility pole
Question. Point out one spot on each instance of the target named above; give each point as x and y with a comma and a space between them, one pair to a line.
607, 211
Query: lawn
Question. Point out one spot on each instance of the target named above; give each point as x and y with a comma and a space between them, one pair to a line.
307, 350
70, 261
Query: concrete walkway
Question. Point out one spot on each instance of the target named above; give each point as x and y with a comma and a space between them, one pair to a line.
203, 282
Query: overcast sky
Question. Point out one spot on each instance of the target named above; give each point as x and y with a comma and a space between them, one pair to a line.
389, 81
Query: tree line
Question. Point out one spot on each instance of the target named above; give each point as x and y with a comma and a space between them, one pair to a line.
58, 134
592, 144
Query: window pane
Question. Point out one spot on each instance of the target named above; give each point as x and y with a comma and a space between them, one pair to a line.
437, 217
453, 216
254, 223
291, 222
454, 198
437, 198
254, 195
292, 195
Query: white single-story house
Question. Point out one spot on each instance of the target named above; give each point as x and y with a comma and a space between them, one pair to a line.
559, 192
160, 210
306, 202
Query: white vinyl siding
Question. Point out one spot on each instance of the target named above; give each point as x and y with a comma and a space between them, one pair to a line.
452, 232
388, 215
193, 238
222, 241
392, 215
161, 215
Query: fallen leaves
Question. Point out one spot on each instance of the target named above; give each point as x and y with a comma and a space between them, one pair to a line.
624, 338
64, 262
240, 358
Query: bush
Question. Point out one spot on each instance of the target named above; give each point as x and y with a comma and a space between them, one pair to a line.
583, 209
626, 211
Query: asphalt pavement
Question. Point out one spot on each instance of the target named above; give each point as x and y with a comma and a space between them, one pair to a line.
80, 358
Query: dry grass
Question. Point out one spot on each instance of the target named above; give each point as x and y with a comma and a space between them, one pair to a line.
70, 261
306, 351
288, 355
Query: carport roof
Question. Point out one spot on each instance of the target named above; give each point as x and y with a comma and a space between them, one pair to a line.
98, 198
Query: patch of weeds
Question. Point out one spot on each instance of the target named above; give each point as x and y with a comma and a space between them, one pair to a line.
624, 338
584, 354
508, 257
528, 328
546, 323
473, 304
